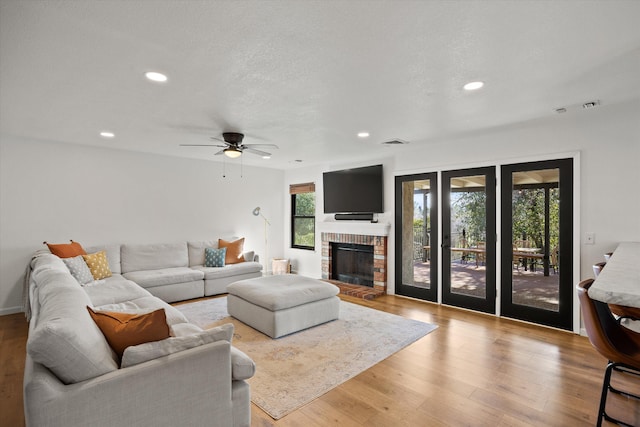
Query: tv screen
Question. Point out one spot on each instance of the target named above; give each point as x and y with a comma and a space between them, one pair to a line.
358, 190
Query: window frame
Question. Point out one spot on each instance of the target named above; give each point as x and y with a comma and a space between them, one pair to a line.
296, 190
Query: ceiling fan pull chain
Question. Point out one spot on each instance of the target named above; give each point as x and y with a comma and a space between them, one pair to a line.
224, 168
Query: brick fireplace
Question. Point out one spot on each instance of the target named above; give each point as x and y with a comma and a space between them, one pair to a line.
379, 244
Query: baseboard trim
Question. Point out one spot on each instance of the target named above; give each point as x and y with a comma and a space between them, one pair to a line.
10, 310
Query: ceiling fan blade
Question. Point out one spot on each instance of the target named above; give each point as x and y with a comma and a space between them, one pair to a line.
219, 152
260, 145
201, 145
254, 151
218, 139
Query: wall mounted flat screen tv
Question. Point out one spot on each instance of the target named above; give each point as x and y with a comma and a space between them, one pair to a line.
358, 190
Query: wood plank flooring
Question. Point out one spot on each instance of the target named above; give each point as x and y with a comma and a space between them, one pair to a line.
474, 370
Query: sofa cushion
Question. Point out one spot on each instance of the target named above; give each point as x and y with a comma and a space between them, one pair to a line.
145, 305
79, 269
66, 250
211, 273
183, 329
196, 251
153, 256
249, 256
164, 276
64, 338
234, 250
214, 257
98, 264
242, 367
123, 329
113, 290
113, 255
152, 350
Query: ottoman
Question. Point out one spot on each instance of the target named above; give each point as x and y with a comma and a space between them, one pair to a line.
283, 304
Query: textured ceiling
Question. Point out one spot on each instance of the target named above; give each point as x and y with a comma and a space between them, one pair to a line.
305, 75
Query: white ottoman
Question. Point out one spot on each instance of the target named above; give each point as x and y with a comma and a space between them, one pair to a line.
283, 304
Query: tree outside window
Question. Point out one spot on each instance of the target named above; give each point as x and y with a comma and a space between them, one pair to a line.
303, 218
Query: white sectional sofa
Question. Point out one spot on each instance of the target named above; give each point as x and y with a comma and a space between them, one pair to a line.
176, 271
73, 378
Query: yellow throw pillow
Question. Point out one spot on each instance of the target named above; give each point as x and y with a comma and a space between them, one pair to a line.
234, 250
123, 329
98, 264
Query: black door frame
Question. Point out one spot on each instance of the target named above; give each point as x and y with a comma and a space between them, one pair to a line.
487, 304
430, 294
562, 319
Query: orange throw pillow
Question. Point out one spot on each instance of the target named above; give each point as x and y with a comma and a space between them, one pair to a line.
123, 329
66, 250
234, 250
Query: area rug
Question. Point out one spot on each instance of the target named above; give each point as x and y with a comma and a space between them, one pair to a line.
295, 369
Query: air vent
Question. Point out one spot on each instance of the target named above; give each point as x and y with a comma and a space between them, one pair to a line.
395, 142
592, 104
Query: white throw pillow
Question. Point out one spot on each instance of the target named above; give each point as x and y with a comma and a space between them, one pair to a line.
79, 269
141, 353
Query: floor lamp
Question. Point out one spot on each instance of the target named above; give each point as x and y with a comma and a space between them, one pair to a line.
256, 212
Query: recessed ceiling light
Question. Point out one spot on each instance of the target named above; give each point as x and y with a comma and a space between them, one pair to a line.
106, 134
363, 134
155, 76
266, 157
473, 85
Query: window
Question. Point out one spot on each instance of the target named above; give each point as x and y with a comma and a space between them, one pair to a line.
303, 215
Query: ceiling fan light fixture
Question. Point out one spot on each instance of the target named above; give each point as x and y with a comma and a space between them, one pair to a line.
232, 152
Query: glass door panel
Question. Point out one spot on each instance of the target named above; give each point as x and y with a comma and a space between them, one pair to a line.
468, 228
416, 236
536, 242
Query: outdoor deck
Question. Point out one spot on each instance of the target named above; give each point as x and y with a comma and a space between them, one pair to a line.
531, 288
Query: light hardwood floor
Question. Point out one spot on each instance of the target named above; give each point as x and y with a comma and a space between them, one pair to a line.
474, 370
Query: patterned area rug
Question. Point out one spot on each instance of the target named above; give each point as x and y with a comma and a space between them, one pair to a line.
295, 369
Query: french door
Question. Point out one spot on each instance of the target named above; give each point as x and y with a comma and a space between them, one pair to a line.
469, 239
416, 249
537, 242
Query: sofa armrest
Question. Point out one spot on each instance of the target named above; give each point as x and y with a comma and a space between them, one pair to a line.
191, 387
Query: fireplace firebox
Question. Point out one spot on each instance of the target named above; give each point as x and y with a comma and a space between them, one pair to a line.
352, 263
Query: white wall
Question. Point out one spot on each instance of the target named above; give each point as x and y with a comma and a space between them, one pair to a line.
607, 138
56, 192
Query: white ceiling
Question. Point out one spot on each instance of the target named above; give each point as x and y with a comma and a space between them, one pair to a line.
305, 75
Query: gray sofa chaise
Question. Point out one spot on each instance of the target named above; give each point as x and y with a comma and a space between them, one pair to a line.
73, 378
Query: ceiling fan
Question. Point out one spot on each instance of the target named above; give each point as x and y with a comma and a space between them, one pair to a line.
233, 146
